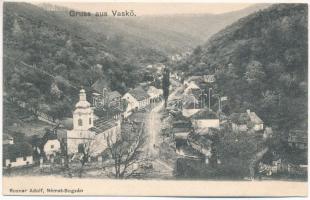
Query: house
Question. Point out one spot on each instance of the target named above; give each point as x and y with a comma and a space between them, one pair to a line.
268, 132
193, 79
209, 78
51, 146
7, 139
159, 67
258, 123
191, 86
90, 134
102, 95
136, 99
298, 139
246, 121
201, 144
187, 151
191, 106
114, 98
205, 119
155, 94
100, 88
180, 131
17, 155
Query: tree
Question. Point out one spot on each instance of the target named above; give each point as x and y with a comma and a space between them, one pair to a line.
254, 72
237, 151
126, 152
55, 92
166, 84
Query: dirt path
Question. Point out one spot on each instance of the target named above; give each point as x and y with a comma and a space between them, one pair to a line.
153, 129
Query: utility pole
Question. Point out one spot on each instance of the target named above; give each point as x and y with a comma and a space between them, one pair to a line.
219, 104
202, 99
210, 98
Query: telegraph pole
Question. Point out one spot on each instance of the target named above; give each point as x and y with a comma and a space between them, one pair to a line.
219, 104
210, 98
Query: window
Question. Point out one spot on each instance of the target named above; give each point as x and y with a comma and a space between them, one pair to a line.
80, 122
24, 158
89, 120
52, 146
13, 160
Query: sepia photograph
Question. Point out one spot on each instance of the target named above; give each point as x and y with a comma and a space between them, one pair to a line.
153, 99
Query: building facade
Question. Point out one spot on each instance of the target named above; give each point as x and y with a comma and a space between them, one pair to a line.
87, 134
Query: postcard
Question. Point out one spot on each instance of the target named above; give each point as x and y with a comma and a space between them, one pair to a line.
155, 99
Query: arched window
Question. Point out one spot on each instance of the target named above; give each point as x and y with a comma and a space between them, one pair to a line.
80, 122
89, 120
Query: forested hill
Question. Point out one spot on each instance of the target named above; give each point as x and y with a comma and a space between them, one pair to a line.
48, 58
260, 63
162, 33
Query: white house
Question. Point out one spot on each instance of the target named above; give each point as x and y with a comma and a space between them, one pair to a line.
205, 119
88, 134
209, 78
258, 123
246, 121
190, 87
7, 139
17, 155
154, 93
51, 146
190, 105
192, 79
137, 99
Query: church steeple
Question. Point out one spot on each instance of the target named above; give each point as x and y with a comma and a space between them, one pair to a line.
83, 103
83, 114
82, 95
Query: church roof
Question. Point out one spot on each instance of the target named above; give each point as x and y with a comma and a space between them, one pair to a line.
101, 125
83, 103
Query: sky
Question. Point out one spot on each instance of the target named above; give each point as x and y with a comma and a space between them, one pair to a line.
158, 8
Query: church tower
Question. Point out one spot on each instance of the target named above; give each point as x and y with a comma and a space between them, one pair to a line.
83, 116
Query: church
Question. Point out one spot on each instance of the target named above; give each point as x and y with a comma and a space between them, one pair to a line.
88, 133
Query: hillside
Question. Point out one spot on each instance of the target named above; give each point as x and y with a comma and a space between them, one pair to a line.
48, 58
165, 33
261, 63
48, 55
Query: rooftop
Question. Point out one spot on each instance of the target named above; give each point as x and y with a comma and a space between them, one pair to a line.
182, 124
139, 94
204, 114
114, 94
298, 136
244, 118
192, 105
195, 78
12, 151
102, 125
181, 130
7, 137
254, 118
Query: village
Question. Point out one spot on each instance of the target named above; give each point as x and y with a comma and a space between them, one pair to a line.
135, 136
